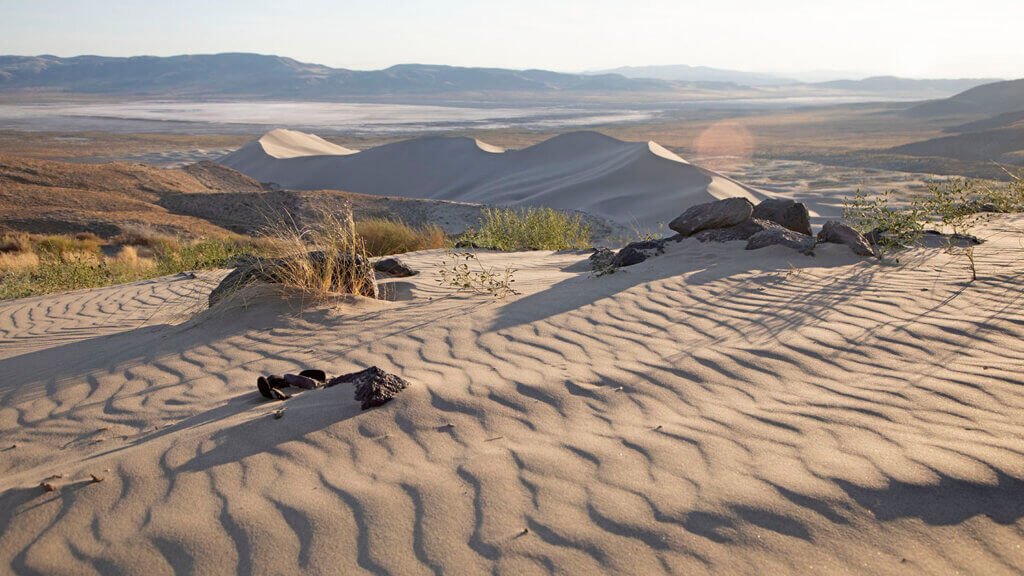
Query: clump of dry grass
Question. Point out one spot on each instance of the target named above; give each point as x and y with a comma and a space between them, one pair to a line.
128, 256
145, 235
323, 257
18, 261
15, 242
35, 264
69, 248
383, 236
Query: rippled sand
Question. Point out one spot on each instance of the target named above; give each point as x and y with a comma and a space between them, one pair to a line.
711, 410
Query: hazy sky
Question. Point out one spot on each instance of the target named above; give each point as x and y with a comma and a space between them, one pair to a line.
922, 38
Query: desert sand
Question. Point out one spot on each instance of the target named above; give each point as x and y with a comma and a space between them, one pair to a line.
630, 183
710, 410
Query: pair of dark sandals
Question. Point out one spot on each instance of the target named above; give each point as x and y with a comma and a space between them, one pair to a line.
270, 386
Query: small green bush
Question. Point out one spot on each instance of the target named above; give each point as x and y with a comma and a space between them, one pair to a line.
1006, 198
893, 228
455, 272
529, 229
953, 205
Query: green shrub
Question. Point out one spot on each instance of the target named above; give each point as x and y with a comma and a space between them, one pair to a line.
529, 229
457, 273
1006, 198
893, 228
173, 257
53, 275
953, 204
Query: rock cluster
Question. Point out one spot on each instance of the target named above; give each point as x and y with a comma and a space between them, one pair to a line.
773, 222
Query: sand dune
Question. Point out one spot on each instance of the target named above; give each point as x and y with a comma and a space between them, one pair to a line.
625, 182
710, 410
283, 143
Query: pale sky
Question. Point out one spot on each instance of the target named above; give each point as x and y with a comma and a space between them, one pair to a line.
933, 38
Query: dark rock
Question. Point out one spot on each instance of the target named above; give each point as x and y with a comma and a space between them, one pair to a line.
394, 267
637, 252
374, 386
838, 233
741, 231
773, 235
602, 259
350, 274
789, 214
717, 214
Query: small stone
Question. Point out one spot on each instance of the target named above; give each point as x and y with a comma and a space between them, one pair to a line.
393, 266
96, 478
48, 487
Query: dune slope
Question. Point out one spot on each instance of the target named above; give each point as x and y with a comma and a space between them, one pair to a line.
711, 410
625, 182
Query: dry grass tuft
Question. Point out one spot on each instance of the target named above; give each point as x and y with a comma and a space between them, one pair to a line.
18, 261
128, 256
382, 236
323, 257
15, 242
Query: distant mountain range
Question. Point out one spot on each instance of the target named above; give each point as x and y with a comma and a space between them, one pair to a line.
684, 73
274, 76
908, 85
261, 76
874, 84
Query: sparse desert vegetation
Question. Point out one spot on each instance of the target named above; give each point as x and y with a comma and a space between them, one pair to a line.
32, 264
953, 208
529, 229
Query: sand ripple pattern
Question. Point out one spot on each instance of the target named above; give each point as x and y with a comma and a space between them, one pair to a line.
709, 411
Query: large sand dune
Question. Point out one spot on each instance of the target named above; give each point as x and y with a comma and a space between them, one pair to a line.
710, 410
626, 182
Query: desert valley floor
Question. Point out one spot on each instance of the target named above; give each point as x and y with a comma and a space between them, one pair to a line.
711, 410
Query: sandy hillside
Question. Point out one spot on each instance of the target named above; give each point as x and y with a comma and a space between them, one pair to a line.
625, 182
710, 410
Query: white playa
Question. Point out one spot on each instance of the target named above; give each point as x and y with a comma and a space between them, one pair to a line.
711, 410
625, 182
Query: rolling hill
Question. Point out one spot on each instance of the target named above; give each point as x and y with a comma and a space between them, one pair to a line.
986, 100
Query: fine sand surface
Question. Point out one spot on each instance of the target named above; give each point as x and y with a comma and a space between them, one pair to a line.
710, 410
626, 182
